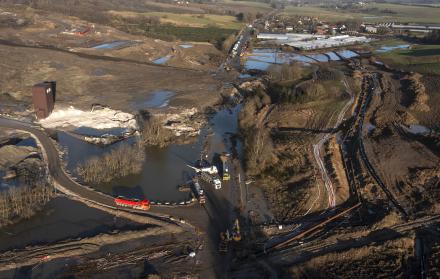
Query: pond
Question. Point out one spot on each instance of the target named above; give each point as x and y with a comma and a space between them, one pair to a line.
115, 44
186, 46
319, 57
333, 56
347, 54
385, 49
162, 60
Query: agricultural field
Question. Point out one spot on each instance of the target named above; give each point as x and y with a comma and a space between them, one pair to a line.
187, 20
424, 59
375, 12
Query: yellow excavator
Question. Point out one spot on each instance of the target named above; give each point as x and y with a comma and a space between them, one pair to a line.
236, 235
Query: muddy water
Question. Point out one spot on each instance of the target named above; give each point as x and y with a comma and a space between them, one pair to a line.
164, 169
60, 219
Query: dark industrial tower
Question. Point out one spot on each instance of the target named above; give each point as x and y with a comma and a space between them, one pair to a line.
43, 97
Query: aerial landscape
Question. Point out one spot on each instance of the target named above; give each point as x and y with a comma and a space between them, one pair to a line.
219, 139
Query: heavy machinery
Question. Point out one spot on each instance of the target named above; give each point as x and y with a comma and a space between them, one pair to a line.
209, 174
236, 236
224, 159
133, 203
199, 191
223, 245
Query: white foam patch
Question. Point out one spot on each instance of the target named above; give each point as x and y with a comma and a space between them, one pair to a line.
104, 118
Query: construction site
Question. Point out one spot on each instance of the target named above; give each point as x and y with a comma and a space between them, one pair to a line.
124, 156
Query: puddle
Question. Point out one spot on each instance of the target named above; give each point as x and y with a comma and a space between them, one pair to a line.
5, 184
347, 54
418, 129
333, 56
245, 76
112, 45
370, 127
261, 59
162, 60
256, 65
186, 46
27, 142
385, 49
157, 99
99, 72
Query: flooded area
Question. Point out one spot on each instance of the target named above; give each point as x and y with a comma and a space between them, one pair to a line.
333, 56
385, 49
164, 169
27, 142
162, 60
347, 54
319, 57
113, 45
262, 59
60, 219
157, 99
418, 129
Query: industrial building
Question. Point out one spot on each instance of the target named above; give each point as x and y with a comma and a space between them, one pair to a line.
43, 98
336, 41
312, 41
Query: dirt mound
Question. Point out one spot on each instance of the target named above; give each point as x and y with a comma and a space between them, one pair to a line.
392, 260
416, 98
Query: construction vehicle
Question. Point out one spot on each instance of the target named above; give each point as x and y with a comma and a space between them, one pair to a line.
199, 191
224, 159
236, 236
209, 174
208, 169
223, 245
212, 179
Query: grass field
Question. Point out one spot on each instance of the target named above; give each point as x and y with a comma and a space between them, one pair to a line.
247, 6
189, 20
214, 35
374, 12
424, 59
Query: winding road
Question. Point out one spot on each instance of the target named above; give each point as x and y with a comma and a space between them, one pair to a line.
65, 184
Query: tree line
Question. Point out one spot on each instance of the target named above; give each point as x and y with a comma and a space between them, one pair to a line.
121, 161
22, 202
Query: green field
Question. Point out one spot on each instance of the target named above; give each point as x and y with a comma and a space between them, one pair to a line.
374, 12
214, 35
420, 58
198, 20
183, 19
